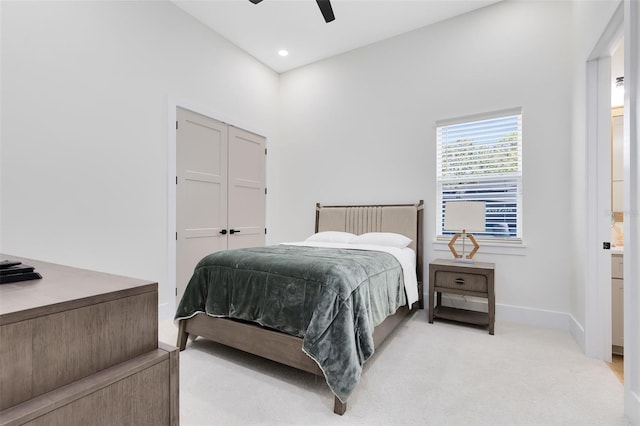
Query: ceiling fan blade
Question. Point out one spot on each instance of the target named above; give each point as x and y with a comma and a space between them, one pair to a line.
325, 8
255, 1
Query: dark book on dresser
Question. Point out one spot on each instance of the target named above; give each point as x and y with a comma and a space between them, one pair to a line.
13, 271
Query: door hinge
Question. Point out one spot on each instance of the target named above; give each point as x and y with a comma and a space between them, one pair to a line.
176, 236
265, 151
265, 191
176, 124
176, 291
176, 180
265, 231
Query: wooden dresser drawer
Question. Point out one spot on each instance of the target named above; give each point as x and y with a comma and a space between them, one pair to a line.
461, 281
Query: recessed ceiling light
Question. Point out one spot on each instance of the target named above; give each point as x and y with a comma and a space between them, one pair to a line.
282, 52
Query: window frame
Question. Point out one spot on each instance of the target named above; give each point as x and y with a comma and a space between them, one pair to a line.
514, 177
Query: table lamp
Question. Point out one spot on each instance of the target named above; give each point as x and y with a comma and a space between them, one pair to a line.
464, 217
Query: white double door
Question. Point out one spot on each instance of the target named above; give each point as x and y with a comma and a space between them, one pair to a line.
220, 190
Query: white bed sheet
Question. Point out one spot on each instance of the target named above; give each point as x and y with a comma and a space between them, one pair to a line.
406, 256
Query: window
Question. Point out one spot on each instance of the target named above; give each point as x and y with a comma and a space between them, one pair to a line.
480, 159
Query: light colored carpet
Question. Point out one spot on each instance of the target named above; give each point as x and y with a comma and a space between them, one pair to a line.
425, 374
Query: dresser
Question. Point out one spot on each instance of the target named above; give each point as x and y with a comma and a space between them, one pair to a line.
80, 347
468, 279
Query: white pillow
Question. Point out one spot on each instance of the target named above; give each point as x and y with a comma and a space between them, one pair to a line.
388, 239
332, 237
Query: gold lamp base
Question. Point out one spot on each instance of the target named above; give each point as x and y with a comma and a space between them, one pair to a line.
457, 257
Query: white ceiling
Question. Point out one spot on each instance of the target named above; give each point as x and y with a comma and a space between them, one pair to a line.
298, 26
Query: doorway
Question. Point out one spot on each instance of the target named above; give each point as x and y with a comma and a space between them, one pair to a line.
245, 187
599, 214
220, 190
617, 211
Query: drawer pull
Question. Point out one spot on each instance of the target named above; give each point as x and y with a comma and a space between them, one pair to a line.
460, 281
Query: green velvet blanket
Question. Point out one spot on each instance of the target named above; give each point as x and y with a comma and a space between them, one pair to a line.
332, 298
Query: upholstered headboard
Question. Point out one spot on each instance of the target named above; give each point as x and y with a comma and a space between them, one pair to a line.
405, 219
398, 218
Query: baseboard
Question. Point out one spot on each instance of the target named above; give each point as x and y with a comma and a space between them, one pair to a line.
577, 332
517, 314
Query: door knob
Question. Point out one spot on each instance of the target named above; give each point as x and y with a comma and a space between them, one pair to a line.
233, 231
223, 232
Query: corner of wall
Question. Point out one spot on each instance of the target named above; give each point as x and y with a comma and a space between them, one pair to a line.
577, 332
519, 314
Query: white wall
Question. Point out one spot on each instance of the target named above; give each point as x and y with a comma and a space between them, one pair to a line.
360, 128
85, 89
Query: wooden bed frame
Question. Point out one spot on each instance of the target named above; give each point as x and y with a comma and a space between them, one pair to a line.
406, 219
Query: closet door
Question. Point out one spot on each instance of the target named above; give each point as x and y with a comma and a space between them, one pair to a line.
201, 191
246, 208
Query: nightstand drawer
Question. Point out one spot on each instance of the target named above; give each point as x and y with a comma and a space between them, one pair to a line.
462, 281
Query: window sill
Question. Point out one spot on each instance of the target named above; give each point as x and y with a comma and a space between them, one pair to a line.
487, 247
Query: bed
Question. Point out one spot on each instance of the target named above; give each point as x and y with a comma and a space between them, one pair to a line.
333, 334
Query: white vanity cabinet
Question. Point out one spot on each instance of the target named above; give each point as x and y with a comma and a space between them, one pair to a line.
617, 303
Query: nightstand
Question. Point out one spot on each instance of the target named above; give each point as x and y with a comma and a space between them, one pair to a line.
469, 279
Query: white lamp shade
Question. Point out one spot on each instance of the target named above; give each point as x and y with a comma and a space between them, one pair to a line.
464, 215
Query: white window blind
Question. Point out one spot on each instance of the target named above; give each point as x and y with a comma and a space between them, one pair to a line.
479, 158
